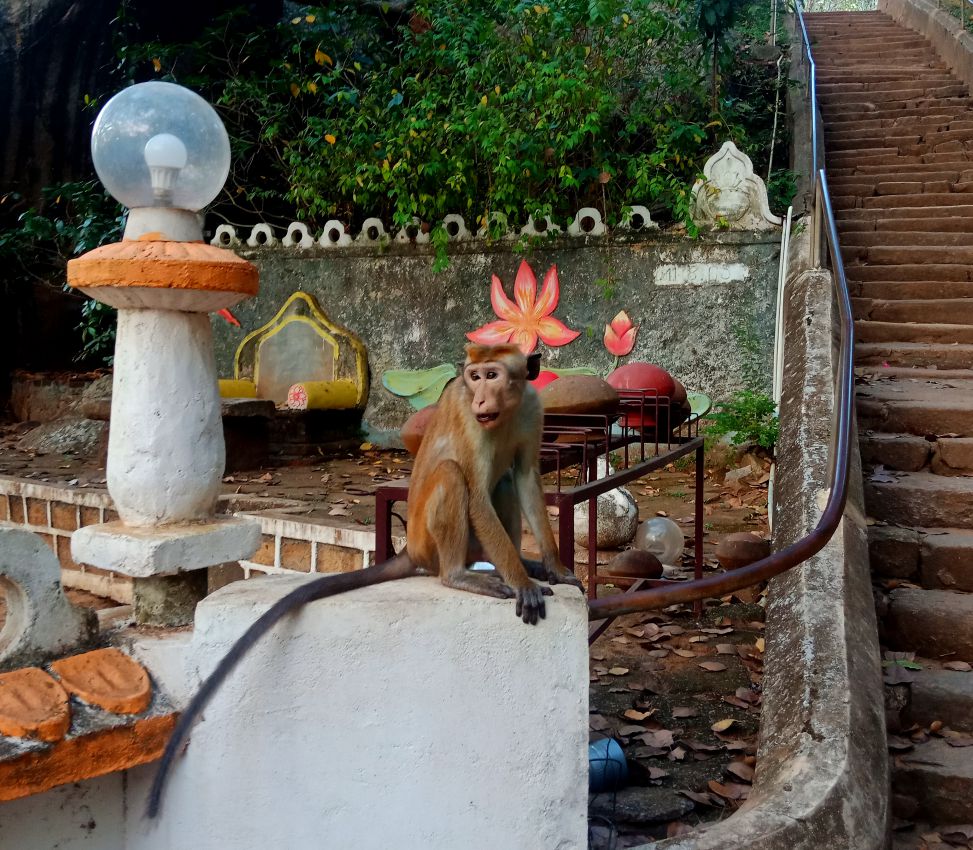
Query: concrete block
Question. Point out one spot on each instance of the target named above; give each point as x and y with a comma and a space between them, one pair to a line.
401, 715
164, 550
41, 623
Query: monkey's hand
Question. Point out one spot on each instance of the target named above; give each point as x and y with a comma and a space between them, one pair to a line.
530, 602
557, 573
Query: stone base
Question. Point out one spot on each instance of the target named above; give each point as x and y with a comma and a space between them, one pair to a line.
165, 550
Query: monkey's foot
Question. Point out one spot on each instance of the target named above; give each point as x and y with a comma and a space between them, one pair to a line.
486, 584
537, 570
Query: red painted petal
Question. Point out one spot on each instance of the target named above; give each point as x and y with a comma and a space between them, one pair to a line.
554, 332
525, 338
525, 288
621, 324
494, 333
550, 293
226, 314
619, 344
502, 306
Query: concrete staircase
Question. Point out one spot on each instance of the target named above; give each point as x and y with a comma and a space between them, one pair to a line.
899, 158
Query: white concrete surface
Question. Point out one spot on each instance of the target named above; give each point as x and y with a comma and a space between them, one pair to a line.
85, 815
40, 622
165, 448
405, 715
165, 550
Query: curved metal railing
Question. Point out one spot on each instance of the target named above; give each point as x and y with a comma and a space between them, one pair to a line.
663, 594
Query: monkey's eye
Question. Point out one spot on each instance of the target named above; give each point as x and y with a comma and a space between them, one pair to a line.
491, 375
474, 376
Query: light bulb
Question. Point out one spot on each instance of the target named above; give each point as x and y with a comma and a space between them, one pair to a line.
166, 156
160, 125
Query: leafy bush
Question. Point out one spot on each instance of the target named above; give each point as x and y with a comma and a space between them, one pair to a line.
499, 105
73, 218
748, 418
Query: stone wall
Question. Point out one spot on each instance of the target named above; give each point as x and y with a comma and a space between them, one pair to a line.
705, 306
290, 539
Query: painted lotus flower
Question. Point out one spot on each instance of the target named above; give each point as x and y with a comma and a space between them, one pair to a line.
528, 317
620, 334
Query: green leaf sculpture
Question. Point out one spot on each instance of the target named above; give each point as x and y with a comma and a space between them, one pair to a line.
421, 387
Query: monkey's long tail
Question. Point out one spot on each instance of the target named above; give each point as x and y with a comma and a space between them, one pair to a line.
330, 585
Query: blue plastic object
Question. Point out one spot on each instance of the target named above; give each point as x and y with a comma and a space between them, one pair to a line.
607, 768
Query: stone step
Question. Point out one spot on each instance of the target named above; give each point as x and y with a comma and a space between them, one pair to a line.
899, 108
913, 453
944, 695
889, 156
872, 331
851, 192
938, 558
892, 94
922, 289
951, 310
905, 83
942, 356
931, 173
868, 128
904, 238
904, 452
959, 212
953, 456
937, 272
922, 499
940, 778
920, 406
904, 71
914, 372
921, 201
935, 623
908, 255
926, 225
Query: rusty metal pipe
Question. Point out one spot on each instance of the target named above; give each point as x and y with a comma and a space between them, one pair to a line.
797, 553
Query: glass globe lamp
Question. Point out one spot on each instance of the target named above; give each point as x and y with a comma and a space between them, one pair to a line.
163, 152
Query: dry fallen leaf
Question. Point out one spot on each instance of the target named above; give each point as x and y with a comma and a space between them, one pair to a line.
598, 722
959, 666
729, 790
681, 712
723, 725
638, 716
759, 643
685, 653
712, 666
702, 799
740, 770
677, 828
662, 738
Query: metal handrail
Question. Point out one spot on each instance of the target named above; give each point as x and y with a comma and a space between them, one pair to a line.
663, 595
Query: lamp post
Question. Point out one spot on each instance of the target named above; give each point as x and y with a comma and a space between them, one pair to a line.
162, 151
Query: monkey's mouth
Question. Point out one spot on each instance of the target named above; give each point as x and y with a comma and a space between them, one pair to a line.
486, 418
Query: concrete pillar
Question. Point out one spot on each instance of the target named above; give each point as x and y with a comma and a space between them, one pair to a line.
165, 448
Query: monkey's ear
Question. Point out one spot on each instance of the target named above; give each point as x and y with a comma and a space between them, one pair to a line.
533, 365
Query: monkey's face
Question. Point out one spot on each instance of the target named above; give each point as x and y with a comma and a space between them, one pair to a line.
495, 392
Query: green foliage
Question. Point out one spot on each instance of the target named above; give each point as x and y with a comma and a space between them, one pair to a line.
73, 218
781, 189
747, 418
499, 105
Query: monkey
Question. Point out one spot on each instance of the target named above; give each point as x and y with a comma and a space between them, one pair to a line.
476, 472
